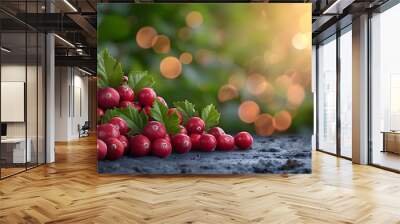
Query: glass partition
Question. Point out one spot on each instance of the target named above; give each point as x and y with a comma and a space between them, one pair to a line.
385, 89
22, 77
13, 95
346, 93
327, 96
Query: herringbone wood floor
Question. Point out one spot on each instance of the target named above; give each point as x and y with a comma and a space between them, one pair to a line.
70, 191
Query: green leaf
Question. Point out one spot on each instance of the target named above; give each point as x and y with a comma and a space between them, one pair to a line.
109, 70
136, 120
210, 116
110, 113
139, 79
186, 108
159, 112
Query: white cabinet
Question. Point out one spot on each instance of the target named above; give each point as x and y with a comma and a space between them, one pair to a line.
17, 148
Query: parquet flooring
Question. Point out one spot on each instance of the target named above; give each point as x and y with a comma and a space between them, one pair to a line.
70, 191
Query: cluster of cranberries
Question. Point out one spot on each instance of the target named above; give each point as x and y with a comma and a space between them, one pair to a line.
113, 140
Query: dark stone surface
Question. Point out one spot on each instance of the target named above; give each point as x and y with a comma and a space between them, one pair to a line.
277, 154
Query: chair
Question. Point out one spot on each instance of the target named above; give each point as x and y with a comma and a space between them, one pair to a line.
84, 129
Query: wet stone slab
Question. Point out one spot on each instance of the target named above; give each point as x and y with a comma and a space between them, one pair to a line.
277, 154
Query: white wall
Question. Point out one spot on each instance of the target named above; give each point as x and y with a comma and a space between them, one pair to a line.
70, 83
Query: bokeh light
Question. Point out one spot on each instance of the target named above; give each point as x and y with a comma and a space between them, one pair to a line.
300, 41
184, 33
295, 94
145, 36
194, 19
248, 111
272, 58
161, 44
283, 81
170, 67
203, 56
256, 84
237, 79
186, 58
264, 125
282, 120
227, 92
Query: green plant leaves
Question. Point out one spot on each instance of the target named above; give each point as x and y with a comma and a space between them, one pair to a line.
109, 70
139, 80
210, 116
136, 120
186, 108
159, 112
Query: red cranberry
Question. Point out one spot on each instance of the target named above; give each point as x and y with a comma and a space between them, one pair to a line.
147, 96
195, 139
139, 145
136, 105
124, 141
174, 110
108, 98
195, 125
126, 93
181, 143
182, 130
147, 110
226, 142
162, 100
100, 113
216, 132
207, 143
120, 124
105, 131
243, 140
154, 130
101, 150
161, 148
115, 148
168, 138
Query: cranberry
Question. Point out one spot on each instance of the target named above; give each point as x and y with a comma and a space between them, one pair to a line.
243, 140
161, 148
101, 150
168, 138
147, 96
139, 145
162, 100
195, 125
182, 130
226, 142
124, 141
115, 148
207, 143
195, 139
154, 130
174, 110
120, 124
147, 110
181, 143
126, 93
105, 131
216, 132
100, 113
108, 98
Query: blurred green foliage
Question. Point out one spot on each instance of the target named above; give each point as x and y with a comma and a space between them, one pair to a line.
232, 39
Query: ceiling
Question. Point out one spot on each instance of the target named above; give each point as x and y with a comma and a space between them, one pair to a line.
75, 21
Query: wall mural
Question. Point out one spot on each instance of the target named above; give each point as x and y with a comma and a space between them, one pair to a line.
204, 88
